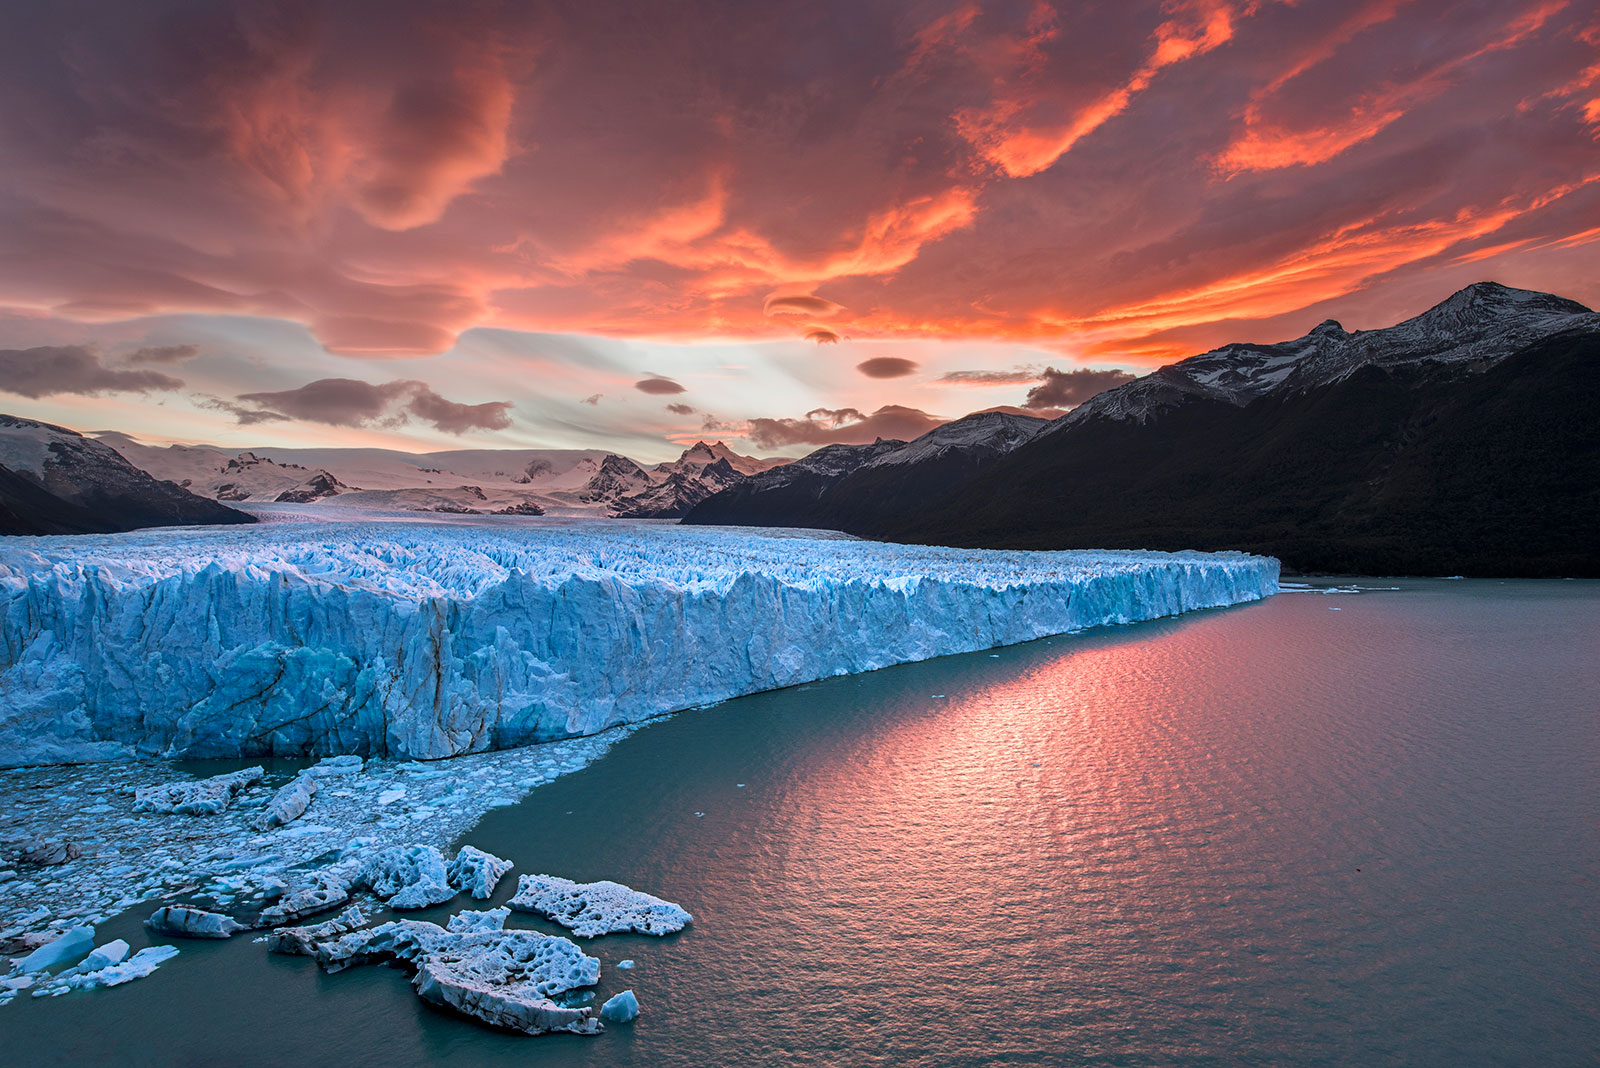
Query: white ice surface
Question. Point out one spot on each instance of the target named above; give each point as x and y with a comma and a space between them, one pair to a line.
429, 640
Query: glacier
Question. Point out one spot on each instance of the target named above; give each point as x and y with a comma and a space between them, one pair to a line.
424, 640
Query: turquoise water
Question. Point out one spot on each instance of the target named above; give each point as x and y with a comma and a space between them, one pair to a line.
1276, 834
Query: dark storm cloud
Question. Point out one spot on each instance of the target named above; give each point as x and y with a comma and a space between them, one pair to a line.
1064, 389
848, 426
73, 369
887, 367
163, 354
659, 385
352, 402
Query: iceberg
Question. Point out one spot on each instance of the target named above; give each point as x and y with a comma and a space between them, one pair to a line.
593, 909
477, 872
289, 803
424, 640
407, 877
74, 943
504, 978
192, 922
623, 1008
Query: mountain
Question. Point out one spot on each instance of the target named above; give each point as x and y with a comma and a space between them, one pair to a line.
56, 481
679, 492
1462, 441
862, 487
502, 481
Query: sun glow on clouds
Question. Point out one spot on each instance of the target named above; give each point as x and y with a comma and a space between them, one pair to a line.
753, 223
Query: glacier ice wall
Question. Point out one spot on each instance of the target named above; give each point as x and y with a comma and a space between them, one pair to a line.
430, 640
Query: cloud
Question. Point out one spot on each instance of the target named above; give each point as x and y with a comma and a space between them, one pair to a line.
454, 418
1018, 377
680, 409
802, 304
848, 426
164, 354
593, 399
887, 367
1064, 389
659, 385
823, 336
243, 414
72, 369
352, 402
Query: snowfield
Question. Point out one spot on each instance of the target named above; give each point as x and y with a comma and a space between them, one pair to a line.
424, 640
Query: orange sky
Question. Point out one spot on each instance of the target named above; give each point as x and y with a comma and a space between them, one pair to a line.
380, 193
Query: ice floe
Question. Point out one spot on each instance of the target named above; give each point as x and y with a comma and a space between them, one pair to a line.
593, 909
504, 978
302, 941
407, 877
289, 803
192, 922
477, 872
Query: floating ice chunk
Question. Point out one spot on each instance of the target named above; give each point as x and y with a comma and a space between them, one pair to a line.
491, 920
74, 943
624, 1008
289, 803
390, 796
200, 797
47, 852
113, 952
187, 922
504, 978
477, 872
137, 966
624, 965
593, 909
407, 877
330, 894
302, 941
347, 764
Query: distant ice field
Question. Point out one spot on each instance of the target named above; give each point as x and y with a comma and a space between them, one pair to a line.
429, 639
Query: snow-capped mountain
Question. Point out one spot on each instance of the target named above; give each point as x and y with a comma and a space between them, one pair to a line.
840, 485
1471, 331
617, 477
1460, 441
56, 481
680, 491
499, 481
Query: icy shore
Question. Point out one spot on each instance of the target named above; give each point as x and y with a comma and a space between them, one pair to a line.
421, 640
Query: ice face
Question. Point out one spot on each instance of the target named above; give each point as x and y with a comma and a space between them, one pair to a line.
432, 640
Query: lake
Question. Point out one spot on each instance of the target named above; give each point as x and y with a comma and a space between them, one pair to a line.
1326, 829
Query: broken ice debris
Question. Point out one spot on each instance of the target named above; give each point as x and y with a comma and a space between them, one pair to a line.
504, 978
198, 797
188, 922
348, 764
624, 1008
477, 872
289, 803
593, 909
46, 852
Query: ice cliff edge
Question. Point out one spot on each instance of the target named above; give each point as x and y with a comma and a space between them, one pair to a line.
427, 641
